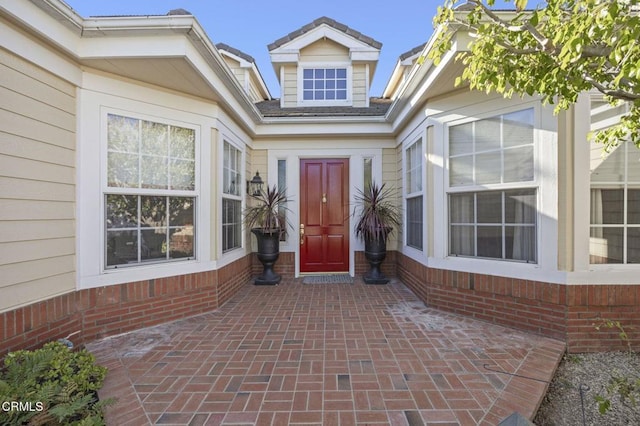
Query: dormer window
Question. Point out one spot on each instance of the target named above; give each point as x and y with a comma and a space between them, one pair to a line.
321, 84
325, 64
325, 84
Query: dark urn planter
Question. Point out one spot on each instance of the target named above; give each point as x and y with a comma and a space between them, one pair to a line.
268, 252
375, 250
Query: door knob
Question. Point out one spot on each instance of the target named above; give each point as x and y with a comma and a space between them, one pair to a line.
301, 233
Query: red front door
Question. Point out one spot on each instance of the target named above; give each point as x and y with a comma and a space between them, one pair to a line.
324, 215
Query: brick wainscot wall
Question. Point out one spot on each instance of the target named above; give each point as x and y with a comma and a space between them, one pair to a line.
560, 311
106, 311
564, 312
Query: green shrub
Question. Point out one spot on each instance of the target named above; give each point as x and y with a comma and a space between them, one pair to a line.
54, 385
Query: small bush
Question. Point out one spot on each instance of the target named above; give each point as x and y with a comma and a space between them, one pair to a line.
51, 386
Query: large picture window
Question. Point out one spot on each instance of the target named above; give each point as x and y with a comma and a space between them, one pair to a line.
615, 205
151, 192
488, 217
324, 84
231, 200
413, 180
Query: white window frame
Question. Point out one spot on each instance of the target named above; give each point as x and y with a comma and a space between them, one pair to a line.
624, 184
141, 192
101, 97
235, 251
419, 192
324, 65
476, 188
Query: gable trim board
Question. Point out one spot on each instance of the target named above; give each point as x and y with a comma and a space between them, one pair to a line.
166, 70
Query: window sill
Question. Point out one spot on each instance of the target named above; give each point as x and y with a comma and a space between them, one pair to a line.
144, 272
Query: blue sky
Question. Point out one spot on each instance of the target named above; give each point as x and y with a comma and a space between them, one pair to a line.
250, 25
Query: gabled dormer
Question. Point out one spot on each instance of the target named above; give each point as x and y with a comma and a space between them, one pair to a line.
401, 71
325, 63
246, 72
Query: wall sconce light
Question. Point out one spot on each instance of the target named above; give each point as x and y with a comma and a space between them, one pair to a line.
254, 186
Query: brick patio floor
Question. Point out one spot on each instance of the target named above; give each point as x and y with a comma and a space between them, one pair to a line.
325, 354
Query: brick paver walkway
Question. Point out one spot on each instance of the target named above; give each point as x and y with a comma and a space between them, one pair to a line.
331, 354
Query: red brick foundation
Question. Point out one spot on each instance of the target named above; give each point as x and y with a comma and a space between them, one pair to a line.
105, 311
564, 312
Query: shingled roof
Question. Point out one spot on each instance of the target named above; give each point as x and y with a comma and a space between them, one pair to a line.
412, 52
377, 108
325, 21
234, 51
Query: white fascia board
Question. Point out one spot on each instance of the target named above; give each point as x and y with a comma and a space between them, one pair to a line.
389, 88
423, 76
258, 76
334, 146
214, 71
323, 127
370, 55
136, 25
289, 56
323, 31
16, 41
243, 62
54, 21
408, 61
208, 52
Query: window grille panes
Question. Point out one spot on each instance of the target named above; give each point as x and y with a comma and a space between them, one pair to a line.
282, 185
320, 84
231, 201
414, 167
494, 224
492, 151
414, 206
231, 182
231, 226
149, 211
142, 229
148, 155
615, 205
414, 222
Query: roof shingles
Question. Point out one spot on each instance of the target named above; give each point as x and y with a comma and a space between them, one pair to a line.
325, 21
377, 108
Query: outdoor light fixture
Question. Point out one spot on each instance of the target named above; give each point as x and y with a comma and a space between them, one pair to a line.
254, 186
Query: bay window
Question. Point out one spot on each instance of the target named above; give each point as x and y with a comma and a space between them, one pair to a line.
492, 197
150, 192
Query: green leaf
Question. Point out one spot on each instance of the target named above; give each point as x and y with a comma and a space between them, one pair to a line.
521, 5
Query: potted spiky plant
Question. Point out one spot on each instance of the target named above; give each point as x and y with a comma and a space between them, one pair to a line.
376, 216
267, 221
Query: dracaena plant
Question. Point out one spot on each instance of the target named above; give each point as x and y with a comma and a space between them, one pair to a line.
376, 212
268, 211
